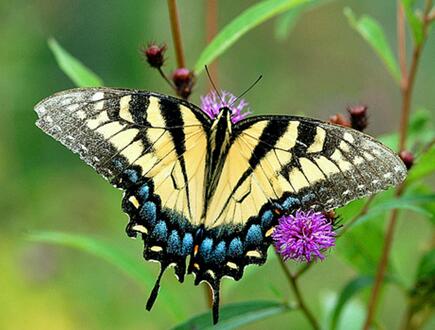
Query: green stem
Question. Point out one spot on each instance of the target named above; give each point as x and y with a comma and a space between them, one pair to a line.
292, 280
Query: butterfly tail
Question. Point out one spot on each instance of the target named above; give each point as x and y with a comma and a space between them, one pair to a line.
215, 309
153, 296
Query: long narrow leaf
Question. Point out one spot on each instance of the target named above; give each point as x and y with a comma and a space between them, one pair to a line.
409, 203
73, 68
415, 22
234, 316
246, 21
351, 288
285, 24
130, 266
287, 21
373, 33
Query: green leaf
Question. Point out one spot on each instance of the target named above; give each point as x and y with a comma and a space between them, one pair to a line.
421, 296
426, 267
346, 294
414, 21
73, 68
373, 33
130, 266
233, 316
424, 166
287, 21
246, 21
361, 247
352, 316
409, 203
285, 24
421, 188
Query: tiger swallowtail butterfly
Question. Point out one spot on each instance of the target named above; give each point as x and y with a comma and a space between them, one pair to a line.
206, 188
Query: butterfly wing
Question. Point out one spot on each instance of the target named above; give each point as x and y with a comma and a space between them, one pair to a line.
276, 165
321, 165
150, 145
129, 134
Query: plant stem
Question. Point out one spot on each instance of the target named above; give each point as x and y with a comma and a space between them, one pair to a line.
292, 280
302, 270
407, 87
401, 43
166, 79
211, 30
176, 34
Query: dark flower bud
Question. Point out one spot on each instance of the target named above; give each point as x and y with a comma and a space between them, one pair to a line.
155, 55
339, 119
183, 80
358, 117
407, 158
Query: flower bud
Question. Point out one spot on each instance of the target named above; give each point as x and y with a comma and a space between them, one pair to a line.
183, 80
339, 119
407, 158
155, 55
358, 117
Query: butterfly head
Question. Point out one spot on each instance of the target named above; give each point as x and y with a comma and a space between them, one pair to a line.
226, 113
223, 121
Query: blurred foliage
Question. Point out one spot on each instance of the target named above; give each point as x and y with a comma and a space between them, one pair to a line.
373, 33
318, 69
232, 316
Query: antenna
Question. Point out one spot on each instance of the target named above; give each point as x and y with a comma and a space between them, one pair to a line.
212, 83
246, 91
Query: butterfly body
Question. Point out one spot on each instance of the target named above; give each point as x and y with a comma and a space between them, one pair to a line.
205, 194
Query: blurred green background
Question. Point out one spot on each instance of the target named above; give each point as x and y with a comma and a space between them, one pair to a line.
322, 67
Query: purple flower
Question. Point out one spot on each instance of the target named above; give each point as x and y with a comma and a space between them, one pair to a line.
212, 103
303, 235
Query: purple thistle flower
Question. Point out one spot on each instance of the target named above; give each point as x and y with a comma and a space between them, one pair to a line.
211, 105
303, 235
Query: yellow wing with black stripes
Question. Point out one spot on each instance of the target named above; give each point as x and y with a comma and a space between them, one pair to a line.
119, 131
323, 166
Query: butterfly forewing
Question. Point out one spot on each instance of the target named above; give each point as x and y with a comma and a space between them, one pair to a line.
321, 165
116, 130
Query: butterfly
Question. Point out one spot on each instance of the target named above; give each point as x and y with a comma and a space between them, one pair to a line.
205, 194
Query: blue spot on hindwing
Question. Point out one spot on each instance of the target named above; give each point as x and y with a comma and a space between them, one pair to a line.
290, 203
160, 231
266, 219
148, 212
174, 243
118, 164
254, 235
308, 198
132, 175
205, 248
187, 244
236, 248
218, 255
144, 192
